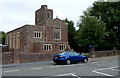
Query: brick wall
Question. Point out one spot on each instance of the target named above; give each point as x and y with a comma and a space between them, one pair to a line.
0, 58
43, 14
9, 58
35, 57
104, 53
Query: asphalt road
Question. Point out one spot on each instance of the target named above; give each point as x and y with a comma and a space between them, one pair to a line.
103, 67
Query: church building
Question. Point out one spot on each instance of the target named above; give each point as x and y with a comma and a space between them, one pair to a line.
47, 35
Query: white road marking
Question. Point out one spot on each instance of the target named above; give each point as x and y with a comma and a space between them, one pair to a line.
104, 61
102, 69
66, 65
81, 64
35, 68
68, 74
11, 71
111, 68
53, 66
69, 65
115, 69
102, 73
94, 62
75, 75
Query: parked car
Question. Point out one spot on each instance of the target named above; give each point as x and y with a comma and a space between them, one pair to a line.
69, 57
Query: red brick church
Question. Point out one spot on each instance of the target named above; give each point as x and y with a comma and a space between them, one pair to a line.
47, 35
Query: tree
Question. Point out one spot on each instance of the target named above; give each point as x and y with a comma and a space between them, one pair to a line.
111, 40
2, 37
109, 13
91, 31
71, 34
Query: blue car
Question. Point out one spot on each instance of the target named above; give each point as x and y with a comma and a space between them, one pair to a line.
69, 57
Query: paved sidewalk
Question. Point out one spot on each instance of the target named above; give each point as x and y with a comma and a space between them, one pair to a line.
101, 58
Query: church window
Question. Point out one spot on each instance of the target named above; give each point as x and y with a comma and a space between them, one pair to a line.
48, 15
10, 41
47, 47
37, 34
14, 41
62, 47
18, 40
57, 34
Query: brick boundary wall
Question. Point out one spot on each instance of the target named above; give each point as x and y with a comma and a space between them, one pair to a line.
35, 57
0, 58
7, 58
10, 58
104, 53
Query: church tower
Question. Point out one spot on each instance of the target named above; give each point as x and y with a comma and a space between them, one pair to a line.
43, 14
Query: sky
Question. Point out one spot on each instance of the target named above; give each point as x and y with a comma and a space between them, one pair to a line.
17, 13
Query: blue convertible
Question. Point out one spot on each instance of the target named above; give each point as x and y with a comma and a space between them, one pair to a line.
69, 57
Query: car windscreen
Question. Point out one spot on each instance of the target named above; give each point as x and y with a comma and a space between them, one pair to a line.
63, 53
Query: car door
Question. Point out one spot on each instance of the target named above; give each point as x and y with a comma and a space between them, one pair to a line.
77, 56
71, 56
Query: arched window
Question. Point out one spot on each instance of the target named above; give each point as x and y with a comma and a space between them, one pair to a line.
48, 15
18, 40
10, 41
57, 34
14, 41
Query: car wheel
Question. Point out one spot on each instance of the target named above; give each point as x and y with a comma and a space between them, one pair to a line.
68, 61
85, 60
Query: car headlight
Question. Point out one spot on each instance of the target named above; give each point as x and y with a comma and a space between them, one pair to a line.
60, 56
